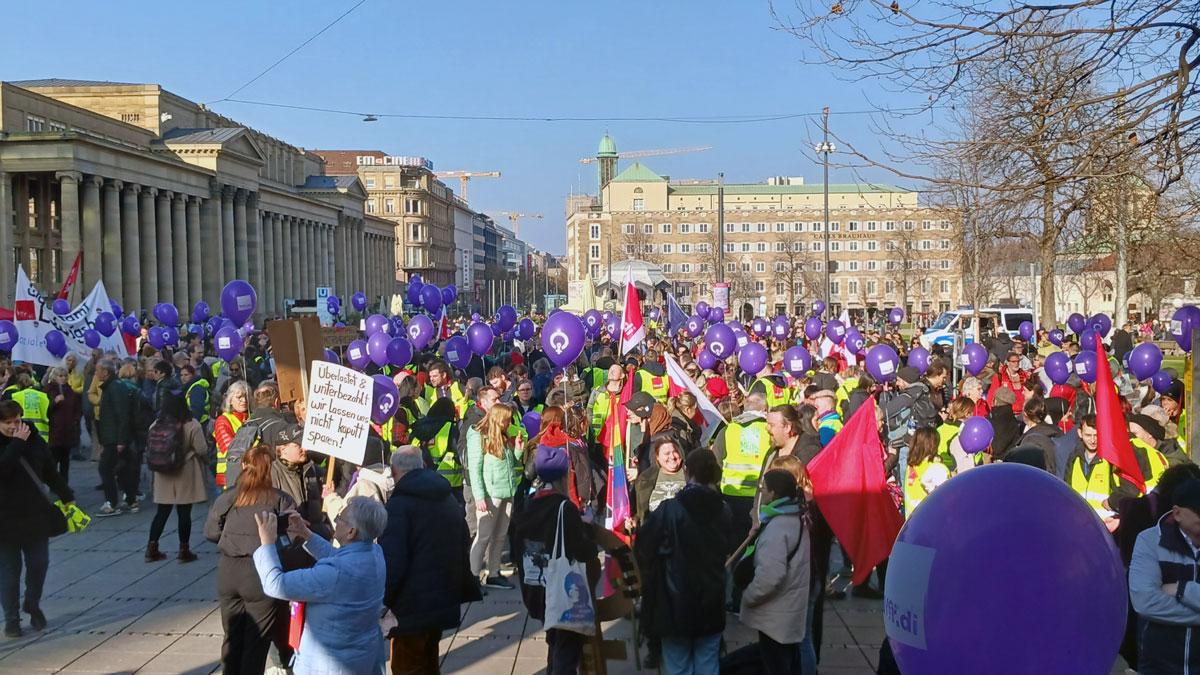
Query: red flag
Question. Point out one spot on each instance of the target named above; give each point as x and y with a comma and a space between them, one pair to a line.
443, 326
633, 330
1112, 432
71, 276
850, 486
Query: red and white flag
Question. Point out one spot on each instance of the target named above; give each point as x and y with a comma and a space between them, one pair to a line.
71, 277
679, 382
633, 328
443, 326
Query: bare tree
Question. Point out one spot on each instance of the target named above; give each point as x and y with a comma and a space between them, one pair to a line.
793, 266
905, 258
638, 244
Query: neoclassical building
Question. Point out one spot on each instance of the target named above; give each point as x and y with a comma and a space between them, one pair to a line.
168, 201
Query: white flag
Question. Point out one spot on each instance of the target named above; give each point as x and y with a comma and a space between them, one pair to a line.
712, 417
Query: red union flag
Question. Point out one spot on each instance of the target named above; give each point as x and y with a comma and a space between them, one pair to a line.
633, 330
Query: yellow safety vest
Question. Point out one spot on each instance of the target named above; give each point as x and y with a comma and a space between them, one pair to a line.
597, 376
746, 448
599, 412
1181, 432
203, 384
842, 395
35, 407
216, 367
235, 424
446, 463
830, 422
457, 396
946, 434
657, 386
1095, 488
776, 395
914, 489
1158, 463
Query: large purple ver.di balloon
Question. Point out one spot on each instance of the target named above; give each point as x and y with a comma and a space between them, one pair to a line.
399, 352
593, 321
377, 346
8, 335
562, 338
385, 399
61, 307
431, 298
716, 315
694, 326
895, 315
797, 361
882, 362
1027, 330
420, 331
1145, 360
56, 343
1161, 381
1085, 366
91, 338
376, 323
1101, 323
238, 301
933, 588
506, 316
356, 354
228, 343
836, 331
167, 314
812, 328
760, 327
918, 357
707, 360
449, 294
976, 434
752, 358
855, 341
413, 292
974, 358
479, 338
1058, 367
358, 301
818, 307
106, 324
1056, 335
1182, 322
526, 328
780, 329
1077, 322
457, 351
702, 308
156, 338
720, 340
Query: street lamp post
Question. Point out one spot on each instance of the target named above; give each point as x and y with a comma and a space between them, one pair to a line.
824, 149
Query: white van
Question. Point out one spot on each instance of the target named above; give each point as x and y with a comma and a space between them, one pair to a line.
949, 323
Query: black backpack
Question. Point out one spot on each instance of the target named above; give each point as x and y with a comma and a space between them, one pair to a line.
247, 436
164, 446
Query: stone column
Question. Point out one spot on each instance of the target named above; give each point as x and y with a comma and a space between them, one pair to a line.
254, 245
291, 254
166, 249
68, 204
265, 251
240, 252
339, 254
229, 267
147, 249
210, 241
327, 253
310, 258
131, 249
301, 264
179, 275
278, 256
8, 273
111, 240
195, 263
361, 248
92, 232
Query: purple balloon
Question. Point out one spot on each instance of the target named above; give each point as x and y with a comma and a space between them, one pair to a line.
200, 312
357, 355
1087, 340
413, 292
385, 399
593, 321
420, 331
1058, 367
376, 323
61, 307
431, 298
882, 362
8, 335
655, 314
106, 323
716, 315
1076, 322
1024, 549
976, 434
156, 338
694, 326
116, 307
818, 307
91, 338
238, 301
479, 338
167, 314
1056, 336
702, 309
377, 345
753, 358
562, 338
812, 328
358, 301
1085, 366
720, 340
399, 352
1145, 360
1101, 323
613, 326
835, 331
895, 316
974, 358
526, 328
1182, 322
854, 341
780, 330
56, 343
130, 326
171, 336
497, 331
797, 361
760, 327
228, 343
706, 360
532, 421
1162, 381
1027, 330
449, 295
332, 357
918, 357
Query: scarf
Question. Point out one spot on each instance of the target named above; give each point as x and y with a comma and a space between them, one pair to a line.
779, 507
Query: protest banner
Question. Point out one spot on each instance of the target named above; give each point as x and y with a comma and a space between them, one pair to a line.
34, 319
338, 412
295, 344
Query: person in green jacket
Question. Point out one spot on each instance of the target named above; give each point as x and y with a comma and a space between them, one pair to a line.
495, 471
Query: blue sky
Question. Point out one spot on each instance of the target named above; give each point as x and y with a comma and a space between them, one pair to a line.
567, 58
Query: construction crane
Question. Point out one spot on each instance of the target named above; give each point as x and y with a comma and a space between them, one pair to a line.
465, 177
516, 220
652, 153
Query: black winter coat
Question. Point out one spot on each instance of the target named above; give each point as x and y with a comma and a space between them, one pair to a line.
233, 529
1007, 430
425, 546
681, 551
533, 531
25, 514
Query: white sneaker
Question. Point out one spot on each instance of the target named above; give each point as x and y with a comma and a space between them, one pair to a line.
107, 510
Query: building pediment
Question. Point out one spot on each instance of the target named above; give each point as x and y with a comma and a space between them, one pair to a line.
234, 143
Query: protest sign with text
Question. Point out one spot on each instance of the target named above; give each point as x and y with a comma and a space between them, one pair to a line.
338, 412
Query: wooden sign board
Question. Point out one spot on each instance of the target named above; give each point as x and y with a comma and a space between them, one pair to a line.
295, 343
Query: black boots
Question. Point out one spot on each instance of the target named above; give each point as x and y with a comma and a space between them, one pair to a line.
185, 554
153, 554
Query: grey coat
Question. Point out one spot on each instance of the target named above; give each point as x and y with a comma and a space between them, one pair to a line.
185, 486
776, 601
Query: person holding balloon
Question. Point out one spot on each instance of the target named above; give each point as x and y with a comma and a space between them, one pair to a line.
925, 471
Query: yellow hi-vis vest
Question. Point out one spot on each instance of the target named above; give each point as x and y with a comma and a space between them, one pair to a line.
1095, 488
946, 434
446, 463
457, 396
1158, 463
203, 384
600, 412
235, 424
914, 488
842, 395
746, 448
776, 395
657, 386
35, 408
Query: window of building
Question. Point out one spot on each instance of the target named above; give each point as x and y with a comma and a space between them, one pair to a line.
926, 286
389, 205
685, 267
668, 248
853, 265
833, 288
594, 270
745, 227
891, 265
594, 251
412, 206
780, 288
760, 267
647, 228
853, 245
630, 249
639, 204
732, 267
745, 247
853, 226
945, 244
889, 225
891, 246
370, 206
799, 288
685, 228
818, 266
730, 227
872, 265
760, 286
889, 287
817, 246
926, 245
908, 225
815, 227
945, 224
926, 224
704, 268
745, 267
872, 226
594, 231
55, 125
797, 227
629, 228
702, 228
872, 288
665, 228
762, 227
945, 264
872, 245
798, 246
371, 183
781, 227
415, 232
668, 268
835, 246
761, 247
132, 118
702, 248
649, 248
685, 248
780, 267
389, 182
852, 287
780, 246
945, 286
925, 264
730, 247
835, 226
